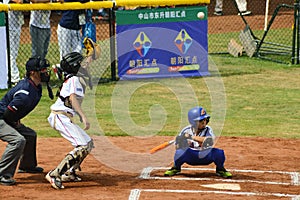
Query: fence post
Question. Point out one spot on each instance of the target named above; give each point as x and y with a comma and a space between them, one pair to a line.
112, 36
4, 54
298, 28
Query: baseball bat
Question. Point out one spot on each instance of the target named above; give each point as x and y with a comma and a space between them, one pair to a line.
161, 146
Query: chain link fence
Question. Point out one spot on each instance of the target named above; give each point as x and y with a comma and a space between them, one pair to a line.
271, 27
101, 68
275, 43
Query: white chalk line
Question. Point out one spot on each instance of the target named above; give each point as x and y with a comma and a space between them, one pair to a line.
221, 180
135, 193
145, 174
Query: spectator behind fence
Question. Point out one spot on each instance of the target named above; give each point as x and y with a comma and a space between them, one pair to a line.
242, 6
40, 30
15, 22
68, 30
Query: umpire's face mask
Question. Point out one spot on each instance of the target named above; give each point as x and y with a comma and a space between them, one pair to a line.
45, 75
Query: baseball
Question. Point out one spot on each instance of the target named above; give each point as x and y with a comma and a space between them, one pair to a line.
200, 15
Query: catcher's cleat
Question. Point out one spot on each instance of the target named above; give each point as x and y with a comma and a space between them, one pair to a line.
70, 178
54, 181
171, 172
223, 173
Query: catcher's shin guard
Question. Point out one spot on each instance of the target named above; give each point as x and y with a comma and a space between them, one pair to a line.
72, 160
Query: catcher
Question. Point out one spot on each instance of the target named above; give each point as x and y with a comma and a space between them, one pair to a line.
194, 145
74, 69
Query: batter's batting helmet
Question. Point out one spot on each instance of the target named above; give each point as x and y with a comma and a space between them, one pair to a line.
70, 63
197, 114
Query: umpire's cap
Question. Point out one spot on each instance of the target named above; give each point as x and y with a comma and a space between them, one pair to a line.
37, 64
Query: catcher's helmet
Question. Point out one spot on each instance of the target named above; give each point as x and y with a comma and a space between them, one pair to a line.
70, 63
197, 114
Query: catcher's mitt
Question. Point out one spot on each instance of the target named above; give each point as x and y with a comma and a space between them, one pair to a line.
92, 48
207, 143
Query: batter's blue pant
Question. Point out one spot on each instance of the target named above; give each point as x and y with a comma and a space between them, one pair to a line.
196, 157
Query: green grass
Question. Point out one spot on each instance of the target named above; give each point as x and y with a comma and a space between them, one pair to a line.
263, 102
262, 99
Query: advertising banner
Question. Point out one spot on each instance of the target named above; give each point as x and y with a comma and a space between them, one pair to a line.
164, 42
3, 58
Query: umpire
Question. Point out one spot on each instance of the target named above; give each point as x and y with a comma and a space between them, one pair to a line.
16, 104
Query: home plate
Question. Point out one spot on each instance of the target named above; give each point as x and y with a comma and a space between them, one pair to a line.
223, 186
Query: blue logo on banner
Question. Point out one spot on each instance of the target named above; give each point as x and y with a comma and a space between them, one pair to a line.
142, 44
183, 41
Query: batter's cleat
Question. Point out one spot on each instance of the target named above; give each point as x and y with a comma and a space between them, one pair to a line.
55, 182
223, 173
171, 172
70, 178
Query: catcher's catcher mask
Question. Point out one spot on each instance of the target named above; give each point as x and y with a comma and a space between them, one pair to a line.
71, 62
74, 63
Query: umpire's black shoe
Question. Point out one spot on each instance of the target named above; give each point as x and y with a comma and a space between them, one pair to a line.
34, 170
5, 180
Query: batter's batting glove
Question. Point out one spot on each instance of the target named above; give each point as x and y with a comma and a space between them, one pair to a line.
207, 143
182, 141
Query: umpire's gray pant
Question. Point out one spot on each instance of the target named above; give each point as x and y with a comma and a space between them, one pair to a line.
28, 159
13, 151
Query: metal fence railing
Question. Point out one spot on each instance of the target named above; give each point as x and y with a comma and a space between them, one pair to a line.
277, 43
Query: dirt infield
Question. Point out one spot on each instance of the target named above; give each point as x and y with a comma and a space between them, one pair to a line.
264, 168
275, 159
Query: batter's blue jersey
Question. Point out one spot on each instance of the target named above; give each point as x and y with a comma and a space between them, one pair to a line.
206, 132
21, 99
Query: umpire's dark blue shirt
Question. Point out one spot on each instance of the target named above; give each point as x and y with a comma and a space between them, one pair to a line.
21, 99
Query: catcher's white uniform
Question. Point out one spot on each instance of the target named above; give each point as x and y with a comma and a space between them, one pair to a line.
60, 117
